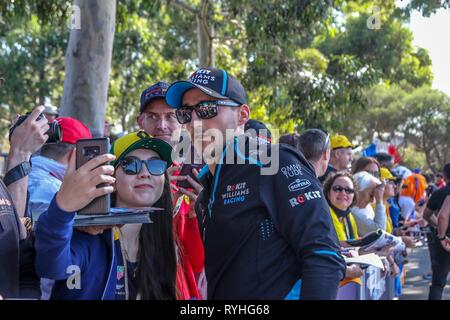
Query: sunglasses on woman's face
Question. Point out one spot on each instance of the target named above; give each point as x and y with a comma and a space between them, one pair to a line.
203, 110
339, 189
133, 166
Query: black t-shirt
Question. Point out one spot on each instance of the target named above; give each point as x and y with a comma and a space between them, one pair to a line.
330, 170
437, 199
9, 246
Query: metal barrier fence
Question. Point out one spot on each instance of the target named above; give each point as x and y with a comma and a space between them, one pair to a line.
374, 286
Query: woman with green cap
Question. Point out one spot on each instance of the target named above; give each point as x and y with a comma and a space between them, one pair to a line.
133, 262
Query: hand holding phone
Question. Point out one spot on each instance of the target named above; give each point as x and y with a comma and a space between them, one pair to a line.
80, 186
187, 170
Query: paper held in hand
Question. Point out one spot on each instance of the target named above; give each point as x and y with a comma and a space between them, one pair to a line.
370, 259
117, 216
376, 241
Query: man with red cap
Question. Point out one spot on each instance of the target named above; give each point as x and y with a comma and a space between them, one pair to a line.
49, 167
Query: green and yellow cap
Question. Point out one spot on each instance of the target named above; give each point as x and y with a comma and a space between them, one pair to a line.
140, 140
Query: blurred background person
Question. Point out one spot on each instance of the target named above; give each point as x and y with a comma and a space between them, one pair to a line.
440, 180
341, 155
315, 146
339, 190
50, 112
385, 160
368, 164
370, 189
290, 139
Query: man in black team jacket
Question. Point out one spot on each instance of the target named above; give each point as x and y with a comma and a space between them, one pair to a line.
264, 235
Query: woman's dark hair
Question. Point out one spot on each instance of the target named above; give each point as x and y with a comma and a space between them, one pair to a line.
329, 183
291, 139
156, 268
157, 261
363, 162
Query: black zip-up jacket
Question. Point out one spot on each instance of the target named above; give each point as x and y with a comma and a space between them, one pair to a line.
263, 233
18, 277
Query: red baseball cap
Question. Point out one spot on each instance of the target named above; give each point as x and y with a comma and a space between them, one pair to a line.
73, 130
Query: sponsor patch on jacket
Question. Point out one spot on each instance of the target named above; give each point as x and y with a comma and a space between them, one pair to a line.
302, 198
292, 170
299, 184
120, 272
235, 193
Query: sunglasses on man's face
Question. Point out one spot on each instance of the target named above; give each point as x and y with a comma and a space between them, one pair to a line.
203, 110
340, 189
133, 166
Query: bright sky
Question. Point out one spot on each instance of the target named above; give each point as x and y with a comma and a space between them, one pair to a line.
433, 34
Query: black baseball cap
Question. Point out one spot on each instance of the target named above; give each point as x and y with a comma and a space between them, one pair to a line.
259, 126
214, 82
158, 90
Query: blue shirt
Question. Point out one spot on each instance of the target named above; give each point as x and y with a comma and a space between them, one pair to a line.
44, 182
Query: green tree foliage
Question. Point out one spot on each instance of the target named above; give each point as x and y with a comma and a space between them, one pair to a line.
413, 158
32, 59
421, 117
304, 63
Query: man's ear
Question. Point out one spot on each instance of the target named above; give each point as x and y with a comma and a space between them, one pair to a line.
326, 155
139, 121
335, 154
244, 114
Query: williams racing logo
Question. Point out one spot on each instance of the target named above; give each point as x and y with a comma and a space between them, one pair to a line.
299, 184
302, 198
236, 193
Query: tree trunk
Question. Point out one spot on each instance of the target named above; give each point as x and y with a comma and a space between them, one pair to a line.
205, 34
88, 64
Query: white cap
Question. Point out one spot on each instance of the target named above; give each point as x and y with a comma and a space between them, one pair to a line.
365, 180
401, 171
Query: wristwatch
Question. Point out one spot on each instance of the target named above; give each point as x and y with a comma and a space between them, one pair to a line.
443, 238
17, 173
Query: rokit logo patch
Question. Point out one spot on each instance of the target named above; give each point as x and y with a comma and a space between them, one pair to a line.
299, 184
236, 193
292, 170
302, 198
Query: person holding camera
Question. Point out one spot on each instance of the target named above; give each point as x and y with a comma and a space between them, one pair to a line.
371, 190
48, 169
135, 262
17, 276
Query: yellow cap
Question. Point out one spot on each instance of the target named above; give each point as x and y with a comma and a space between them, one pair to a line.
385, 174
341, 142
